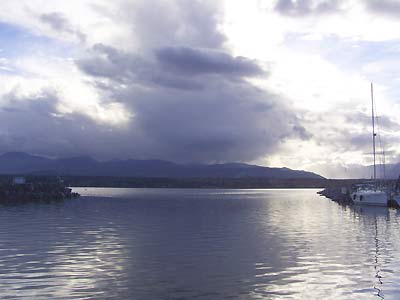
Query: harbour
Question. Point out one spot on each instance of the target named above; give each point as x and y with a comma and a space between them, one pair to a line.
205, 150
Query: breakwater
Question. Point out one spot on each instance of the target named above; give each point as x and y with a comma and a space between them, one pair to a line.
341, 194
34, 192
337, 193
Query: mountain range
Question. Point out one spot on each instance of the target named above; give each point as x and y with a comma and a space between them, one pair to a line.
23, 163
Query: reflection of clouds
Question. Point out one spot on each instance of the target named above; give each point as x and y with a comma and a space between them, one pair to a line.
51, 252
329, 251
86, 264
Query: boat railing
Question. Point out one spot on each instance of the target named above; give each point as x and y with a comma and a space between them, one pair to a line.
371, 186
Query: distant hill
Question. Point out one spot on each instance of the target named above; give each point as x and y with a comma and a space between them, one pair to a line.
23, 163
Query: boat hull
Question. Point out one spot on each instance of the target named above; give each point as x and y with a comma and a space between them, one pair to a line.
396, 199
376, 198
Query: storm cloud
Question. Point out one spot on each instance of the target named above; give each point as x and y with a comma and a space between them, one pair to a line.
188, 98
200, 108
191, 61
33, 124
223, 122
175, 67
191, 99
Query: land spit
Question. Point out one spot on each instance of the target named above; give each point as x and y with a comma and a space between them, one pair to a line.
20, 191
335, 193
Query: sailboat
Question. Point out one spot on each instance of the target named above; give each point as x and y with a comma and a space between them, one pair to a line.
370, 194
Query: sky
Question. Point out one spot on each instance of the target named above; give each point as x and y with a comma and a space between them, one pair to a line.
279, 83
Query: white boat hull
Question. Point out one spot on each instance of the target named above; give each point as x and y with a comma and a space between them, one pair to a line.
370, 197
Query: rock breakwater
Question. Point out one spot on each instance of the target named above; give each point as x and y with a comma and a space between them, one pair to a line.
34, 192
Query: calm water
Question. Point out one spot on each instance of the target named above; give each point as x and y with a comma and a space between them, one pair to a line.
198, 244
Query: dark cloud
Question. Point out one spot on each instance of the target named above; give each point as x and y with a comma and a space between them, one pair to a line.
388, 7
382, 122
302, 132
33, 124
58, 22
196, 61
107, 61
188, 95
359, 141
130, 68
176, 82
223, 122
174, 67
29, 124
299, 8
193, 104
211, 119
350, 140
41, 103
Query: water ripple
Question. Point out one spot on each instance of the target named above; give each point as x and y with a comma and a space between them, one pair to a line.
198, 244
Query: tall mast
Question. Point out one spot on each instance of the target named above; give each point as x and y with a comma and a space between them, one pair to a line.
373, 128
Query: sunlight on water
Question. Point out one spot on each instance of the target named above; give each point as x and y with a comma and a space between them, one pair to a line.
203, 244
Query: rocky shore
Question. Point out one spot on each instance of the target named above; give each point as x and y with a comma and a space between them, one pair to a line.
338, 194
37, 191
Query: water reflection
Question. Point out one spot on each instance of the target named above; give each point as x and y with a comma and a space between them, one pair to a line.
334, 252
46, 254
203, 244
378, 223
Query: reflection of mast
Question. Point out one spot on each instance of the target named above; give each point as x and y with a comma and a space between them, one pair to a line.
376, 266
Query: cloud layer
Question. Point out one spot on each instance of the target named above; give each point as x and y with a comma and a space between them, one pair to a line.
282, 83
